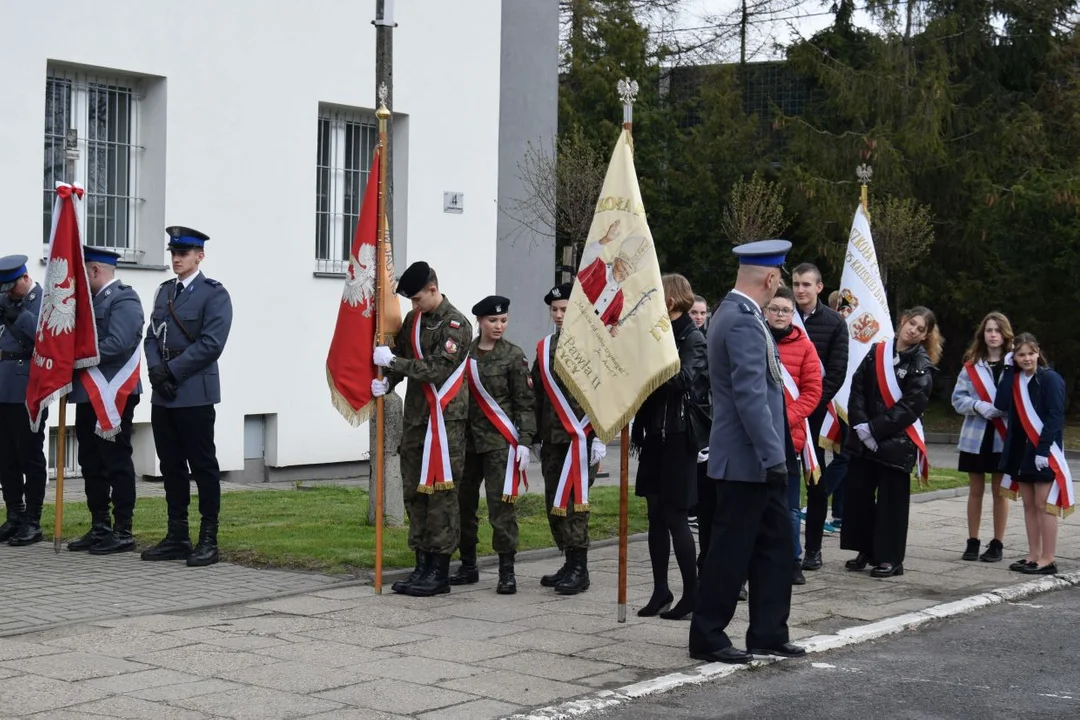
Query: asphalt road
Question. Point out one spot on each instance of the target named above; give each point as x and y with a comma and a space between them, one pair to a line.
1009, 661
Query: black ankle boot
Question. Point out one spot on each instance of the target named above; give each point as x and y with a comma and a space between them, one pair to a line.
423, 562
971, 552
553, 579
118, 541
993, 551
468, 573
175, 546
13, 523
206, 552
507, 580
435, 581
100, 527
30, 530
576, 579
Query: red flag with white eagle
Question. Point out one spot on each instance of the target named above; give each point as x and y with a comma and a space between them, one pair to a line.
66, 337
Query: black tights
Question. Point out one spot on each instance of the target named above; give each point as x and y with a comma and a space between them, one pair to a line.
666, 522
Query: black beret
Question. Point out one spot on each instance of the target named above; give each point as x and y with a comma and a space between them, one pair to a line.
559, 292
414, 279
491, 305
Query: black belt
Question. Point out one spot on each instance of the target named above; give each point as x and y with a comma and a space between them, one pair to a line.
11, 355
168, 354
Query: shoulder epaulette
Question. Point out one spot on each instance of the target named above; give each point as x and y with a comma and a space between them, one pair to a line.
170, 281
212, 283
746, 308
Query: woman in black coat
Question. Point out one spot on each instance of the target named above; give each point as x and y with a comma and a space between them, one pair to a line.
882, 450
665, 436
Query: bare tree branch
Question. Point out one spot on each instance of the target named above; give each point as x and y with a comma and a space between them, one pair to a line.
756, 211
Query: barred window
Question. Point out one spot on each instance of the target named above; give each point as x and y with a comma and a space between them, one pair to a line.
103, 111
347, 142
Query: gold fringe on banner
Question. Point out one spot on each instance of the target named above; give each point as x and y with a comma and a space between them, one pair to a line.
445, 485
353, 416
510, 499
558, 511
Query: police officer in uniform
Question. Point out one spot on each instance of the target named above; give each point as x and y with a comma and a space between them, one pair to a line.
105, 454
749, 464
430, 350
188, 328
499, 382
571, 531
22, 452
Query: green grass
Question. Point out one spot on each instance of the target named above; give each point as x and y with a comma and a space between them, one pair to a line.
323, 529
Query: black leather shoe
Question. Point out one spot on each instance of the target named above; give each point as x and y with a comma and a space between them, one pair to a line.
99, 530
1034, 569
788, 650
423, 563
742, 593
12, 523
972, 550
1021, 564
30, 530
118, 541
507, 580
553, 579
729, 655
206, 551
468, 573
435, 581
859, 562
797, 578
175, 546
576, 579
657, 604
885, 570
812, 561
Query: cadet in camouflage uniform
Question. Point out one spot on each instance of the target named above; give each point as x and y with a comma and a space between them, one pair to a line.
431, 502
571, 533
499, 382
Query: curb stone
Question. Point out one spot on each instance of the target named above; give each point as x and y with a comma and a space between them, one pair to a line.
816, 644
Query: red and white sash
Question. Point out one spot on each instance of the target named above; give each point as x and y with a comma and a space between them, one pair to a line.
435, 471
575, 470
890, 392
829, 438
109, 397
811, 471
1060, 501
502, 422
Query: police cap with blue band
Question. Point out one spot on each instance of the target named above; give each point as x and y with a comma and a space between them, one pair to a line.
12, 267
765, 253
186, 238
100, 255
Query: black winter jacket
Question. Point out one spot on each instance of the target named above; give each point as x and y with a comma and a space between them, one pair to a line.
828, 331
664, 411
1047, 393
888, 425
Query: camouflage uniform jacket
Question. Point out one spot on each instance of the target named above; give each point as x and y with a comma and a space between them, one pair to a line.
444, 340
549, 426
504, 373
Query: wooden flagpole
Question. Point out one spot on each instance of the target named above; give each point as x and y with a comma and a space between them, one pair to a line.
628, 92
383, 114
61, 441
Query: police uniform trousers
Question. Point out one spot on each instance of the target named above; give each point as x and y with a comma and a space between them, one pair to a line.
488, 468
572, 531
751, 540
22, 457
107, 468
706, 511
876, 511
434, 518
184, 439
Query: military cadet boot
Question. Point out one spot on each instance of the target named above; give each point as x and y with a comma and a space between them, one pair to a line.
576, 579
118, 541
423, 562
553, 579
13, 522
468, 573
175, 546
100, 528
206, 552
435, 581
30, 530
507, 581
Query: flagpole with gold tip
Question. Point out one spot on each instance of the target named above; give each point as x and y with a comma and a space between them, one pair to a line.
628, 90
383, 115
864, 172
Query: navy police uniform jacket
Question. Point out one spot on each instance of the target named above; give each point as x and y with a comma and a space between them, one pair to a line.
118, 315
17, 346
189, 338
747, 394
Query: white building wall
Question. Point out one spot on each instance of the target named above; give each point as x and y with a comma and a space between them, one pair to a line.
243, 81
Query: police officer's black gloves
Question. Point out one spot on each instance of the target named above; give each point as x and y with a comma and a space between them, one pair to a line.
159, 375
167, 389
777, 474
11, 313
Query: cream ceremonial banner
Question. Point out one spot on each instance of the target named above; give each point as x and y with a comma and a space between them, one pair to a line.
616, 344
862, 302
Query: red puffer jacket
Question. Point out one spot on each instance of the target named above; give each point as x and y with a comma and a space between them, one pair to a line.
800, 359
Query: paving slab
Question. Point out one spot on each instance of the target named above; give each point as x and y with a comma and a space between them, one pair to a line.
257, 703
399, 697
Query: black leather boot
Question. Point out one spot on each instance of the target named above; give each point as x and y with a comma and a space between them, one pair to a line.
435, 581
423, 562
118, 541
206, 552
507, 581
468, 573
100, 527
576, 579
553, 579
13, 522
30, 530
175, 546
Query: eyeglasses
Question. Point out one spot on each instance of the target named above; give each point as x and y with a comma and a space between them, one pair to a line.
779, 310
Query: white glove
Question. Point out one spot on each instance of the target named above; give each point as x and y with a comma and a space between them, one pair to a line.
863, 431
379, 387
985, 409
1008, 360
1041, 462
871, 444
522, 457
703, 456
383, 356
598, 453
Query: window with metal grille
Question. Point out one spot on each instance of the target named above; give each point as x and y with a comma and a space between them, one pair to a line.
347, 141
103, 111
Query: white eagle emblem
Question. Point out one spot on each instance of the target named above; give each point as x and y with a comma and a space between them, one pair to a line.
58, 305
360, 285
